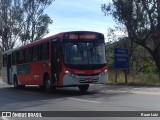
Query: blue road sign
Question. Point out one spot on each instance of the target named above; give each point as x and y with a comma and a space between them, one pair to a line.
121, 58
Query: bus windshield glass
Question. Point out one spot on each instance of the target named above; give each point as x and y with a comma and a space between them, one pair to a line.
84, 53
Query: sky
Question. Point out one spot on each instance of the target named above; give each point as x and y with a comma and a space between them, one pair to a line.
78, 15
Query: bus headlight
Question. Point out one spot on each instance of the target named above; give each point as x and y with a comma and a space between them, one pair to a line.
104, 72
69, 73
66, 71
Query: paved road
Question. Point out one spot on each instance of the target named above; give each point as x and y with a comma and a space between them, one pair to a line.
98, 98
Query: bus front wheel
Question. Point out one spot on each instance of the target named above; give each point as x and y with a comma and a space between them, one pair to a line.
83, 88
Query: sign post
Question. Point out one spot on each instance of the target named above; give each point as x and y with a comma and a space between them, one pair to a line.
121, 61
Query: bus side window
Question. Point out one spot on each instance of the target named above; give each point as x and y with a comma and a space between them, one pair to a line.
21, 56
35, 54
28, 54
40, 52
17, 56
45, 51
4, 60
14, 58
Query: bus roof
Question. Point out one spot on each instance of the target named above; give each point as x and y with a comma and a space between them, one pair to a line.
59, 35
11, 50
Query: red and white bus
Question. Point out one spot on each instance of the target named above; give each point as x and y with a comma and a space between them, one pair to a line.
66, 59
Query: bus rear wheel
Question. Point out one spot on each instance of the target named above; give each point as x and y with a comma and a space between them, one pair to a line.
83, 88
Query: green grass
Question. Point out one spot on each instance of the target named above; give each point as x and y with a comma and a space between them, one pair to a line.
148, 79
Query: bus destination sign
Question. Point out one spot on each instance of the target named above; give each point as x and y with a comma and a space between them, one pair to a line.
73, 36
81, 36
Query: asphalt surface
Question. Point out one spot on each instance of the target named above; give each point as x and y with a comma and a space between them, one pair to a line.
98, 98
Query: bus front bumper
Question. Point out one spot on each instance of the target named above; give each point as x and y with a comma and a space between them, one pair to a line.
71, 79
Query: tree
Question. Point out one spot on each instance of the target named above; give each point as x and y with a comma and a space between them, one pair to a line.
22, 20
142, 21
140, 59
36, 23
7, 22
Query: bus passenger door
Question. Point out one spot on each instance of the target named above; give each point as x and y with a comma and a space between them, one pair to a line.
55, 60
9, 70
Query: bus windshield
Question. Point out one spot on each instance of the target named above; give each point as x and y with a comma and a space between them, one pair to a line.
86, 53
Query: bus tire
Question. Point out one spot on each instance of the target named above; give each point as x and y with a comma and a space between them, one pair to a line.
83, 88
47, 84
15, 82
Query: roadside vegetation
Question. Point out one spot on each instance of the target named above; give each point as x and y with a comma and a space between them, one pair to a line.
142, 79
142, 69
139, 32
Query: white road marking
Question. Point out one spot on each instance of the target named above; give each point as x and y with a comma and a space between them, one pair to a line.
83, 100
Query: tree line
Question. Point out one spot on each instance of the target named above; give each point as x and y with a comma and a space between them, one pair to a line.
140, 59
22, 21
141, 20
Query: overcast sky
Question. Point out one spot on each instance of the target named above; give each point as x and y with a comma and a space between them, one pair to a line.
71, 15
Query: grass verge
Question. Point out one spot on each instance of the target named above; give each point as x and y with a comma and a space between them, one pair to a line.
144, 79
